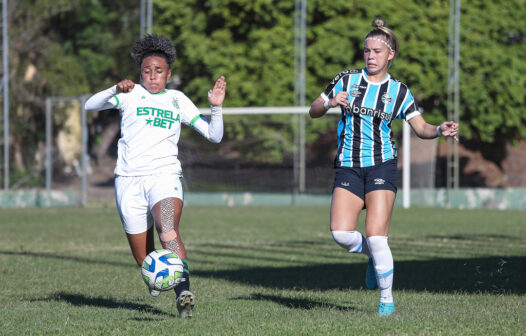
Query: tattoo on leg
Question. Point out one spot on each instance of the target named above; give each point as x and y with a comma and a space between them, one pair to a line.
172, 245
166, 230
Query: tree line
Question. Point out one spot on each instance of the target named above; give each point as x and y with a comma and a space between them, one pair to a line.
68, 48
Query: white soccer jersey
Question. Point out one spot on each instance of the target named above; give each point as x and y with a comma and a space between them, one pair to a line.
151, 127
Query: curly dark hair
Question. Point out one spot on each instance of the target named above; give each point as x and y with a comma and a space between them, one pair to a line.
153, 45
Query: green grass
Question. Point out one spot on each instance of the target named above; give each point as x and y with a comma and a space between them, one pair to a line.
264, 271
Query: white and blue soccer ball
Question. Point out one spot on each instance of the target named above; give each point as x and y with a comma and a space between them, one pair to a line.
162, 270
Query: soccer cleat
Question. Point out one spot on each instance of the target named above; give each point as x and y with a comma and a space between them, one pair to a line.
386, 308
185, 303
370, 275
154, 292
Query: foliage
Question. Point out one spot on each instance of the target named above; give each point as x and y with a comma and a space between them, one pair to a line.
251, 42
64, 48
493, 83
61, 48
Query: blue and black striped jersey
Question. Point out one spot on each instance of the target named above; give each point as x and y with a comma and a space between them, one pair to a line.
364, 129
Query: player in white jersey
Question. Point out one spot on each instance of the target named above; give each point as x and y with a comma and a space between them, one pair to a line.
148, 188
366, 170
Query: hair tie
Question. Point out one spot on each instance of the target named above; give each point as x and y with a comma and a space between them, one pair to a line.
380, 40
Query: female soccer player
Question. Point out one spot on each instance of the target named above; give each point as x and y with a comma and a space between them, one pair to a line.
148, 174
366, 159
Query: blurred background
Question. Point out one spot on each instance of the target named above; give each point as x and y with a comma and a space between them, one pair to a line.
463, 61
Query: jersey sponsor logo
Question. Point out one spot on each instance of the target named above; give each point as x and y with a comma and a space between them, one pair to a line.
367, 111
344, 73
158, 117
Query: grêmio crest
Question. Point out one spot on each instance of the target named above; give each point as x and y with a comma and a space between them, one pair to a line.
386, 98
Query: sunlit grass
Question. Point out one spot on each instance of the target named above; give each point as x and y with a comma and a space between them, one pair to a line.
263, 271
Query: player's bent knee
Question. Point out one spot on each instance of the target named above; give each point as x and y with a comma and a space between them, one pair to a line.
352, 241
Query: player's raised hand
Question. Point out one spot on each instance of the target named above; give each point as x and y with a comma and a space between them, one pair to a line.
449, 128
216, 96
125, 85
339, 99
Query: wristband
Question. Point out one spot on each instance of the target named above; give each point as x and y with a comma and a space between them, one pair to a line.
439, 132
326, 105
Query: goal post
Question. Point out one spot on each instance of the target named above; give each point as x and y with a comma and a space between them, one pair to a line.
258, 153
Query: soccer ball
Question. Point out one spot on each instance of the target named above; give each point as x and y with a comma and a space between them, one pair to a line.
162, 270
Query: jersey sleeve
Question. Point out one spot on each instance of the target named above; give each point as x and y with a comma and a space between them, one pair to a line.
107, 99
121, 100
409, 108
212, 130
189, 112
333, 88
101, 100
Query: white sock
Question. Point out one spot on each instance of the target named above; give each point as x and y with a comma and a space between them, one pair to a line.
352, 241
383, 264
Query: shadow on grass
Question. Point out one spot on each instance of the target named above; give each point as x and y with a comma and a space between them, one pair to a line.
294, 303
100, 302
493, 275
69, 258
475, 237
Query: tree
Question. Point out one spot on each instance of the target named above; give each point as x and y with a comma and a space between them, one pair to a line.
61, 48
74, 47
252, 43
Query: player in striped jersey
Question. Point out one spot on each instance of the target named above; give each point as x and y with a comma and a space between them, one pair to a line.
366, 160
148, 188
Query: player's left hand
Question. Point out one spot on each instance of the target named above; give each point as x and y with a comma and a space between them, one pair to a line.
216, 96
449, 128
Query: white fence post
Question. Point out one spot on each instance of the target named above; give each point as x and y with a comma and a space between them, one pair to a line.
406, 167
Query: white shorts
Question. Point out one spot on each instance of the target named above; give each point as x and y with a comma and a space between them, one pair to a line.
136, 195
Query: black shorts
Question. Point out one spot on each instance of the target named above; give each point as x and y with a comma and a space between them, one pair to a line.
361, 180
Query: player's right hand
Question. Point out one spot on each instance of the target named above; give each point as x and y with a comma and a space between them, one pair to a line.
339, 99
125, 86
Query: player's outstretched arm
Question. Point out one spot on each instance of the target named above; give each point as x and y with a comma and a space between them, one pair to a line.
213, 130
216, 95
427, 131
100, 100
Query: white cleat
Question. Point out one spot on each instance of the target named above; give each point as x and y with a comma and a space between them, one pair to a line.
154, 292
185, 303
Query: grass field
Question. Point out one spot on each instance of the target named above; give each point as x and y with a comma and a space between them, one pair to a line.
264, 271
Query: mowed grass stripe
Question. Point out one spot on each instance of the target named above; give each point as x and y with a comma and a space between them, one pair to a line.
263, 271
